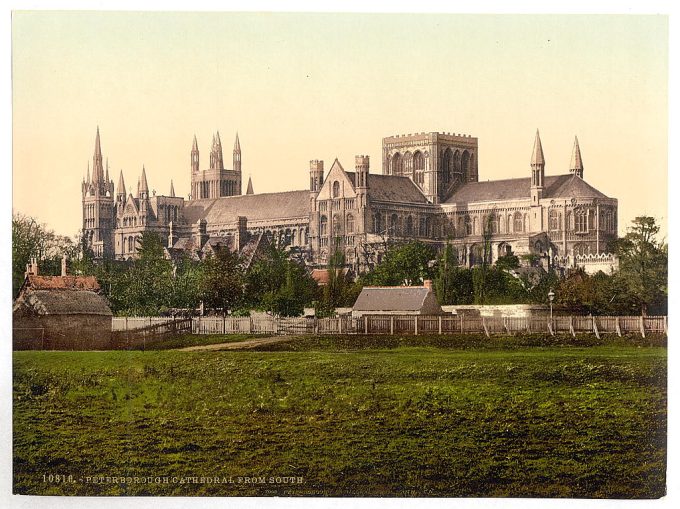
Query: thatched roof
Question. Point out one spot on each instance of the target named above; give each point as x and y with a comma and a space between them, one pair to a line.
62, 302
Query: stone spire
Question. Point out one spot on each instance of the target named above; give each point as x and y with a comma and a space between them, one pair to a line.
537, 171
107, 170
249, 190
172, 189
576, 166
97, 169
216, 161
121, 186
237, 155
88, 172
537, 155
194, 155
143, 186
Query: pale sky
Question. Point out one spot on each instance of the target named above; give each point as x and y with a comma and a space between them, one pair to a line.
318, 86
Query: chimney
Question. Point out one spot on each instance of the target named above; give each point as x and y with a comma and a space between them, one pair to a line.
32, 267
63, 264
428, 284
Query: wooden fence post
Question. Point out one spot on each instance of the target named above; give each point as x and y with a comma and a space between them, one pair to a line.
339, 325
597, 332
461, 324
440, 324
665, 324
365, 324
642, 326
571, 326
486, 331
550, 328
505, 325
415, 324
392, 325
618, 326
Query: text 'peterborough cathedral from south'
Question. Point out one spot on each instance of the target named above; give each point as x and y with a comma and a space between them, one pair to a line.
428, 190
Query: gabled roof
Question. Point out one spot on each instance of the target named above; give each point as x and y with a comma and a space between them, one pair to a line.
556, 186
391, 298
255, 207
63, 302
391, 188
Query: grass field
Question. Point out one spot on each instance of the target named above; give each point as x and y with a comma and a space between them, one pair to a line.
345, 418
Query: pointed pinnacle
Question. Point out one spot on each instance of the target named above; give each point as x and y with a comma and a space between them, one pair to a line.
144, 187
237, 144
194, 147
172, 189
121, 184
576, 161
537, 154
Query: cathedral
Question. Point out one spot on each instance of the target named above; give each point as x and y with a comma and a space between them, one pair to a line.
428, 190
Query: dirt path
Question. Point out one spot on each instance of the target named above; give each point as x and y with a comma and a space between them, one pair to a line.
251, 343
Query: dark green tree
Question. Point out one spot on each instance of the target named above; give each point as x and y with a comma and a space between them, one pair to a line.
643, 266
145, 288
222, 281
404, 264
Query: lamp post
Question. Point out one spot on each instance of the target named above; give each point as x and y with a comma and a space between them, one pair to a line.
551, 296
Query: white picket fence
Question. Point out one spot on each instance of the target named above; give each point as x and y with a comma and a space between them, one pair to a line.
400, 324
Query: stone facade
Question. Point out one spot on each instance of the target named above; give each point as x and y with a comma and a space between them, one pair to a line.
428, 190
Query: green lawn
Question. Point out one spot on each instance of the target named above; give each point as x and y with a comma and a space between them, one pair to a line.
558, 421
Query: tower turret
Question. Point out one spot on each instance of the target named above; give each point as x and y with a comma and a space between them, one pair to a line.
172, 189
576, 166
120, 196
315, 176
537, 171
237, 154
98, 206
143, 185
361, 166
216, 161
194, 156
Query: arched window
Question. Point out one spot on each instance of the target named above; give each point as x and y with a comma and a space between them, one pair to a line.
553, 220
468, 225
447, 166
323, 226
337, 225
394, 220
409, 225
518, 225
349, 223
419, 168
397, 164
493, 223
581, 221
336, 189
377, 223
465, 165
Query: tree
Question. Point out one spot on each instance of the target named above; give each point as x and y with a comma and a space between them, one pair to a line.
222, 283
405, 264
643, 265
277, 284
31, 239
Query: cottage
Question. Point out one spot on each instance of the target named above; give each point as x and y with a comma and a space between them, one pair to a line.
397, 300
60, 313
